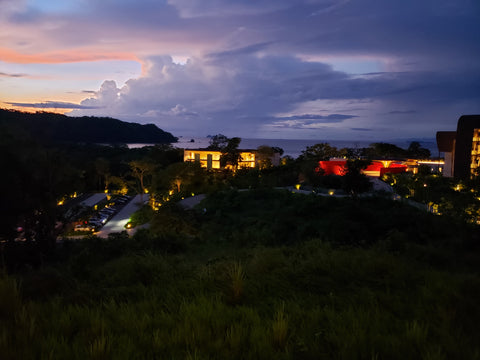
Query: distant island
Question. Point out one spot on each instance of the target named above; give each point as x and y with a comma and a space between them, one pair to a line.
45, 126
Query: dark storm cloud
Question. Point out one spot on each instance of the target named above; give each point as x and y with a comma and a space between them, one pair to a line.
239, 87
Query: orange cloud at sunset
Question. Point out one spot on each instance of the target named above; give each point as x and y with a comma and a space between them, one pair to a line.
33, 110
67, 56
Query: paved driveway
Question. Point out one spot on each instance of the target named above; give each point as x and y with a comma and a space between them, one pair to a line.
379, 185
118, 222
190, 202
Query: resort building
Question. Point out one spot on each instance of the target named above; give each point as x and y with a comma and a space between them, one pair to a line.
210, 159
446, 145
461, 148
377, 168
435, 165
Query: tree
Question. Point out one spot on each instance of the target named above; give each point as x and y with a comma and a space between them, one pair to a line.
230, 153
117, 184
33, 179
385, 151
278, 150
102, 168
353, 153
264, 156
318, 152
354, 182
218, 142
140, 170
184, 176
165, 154
415, 151
308, 161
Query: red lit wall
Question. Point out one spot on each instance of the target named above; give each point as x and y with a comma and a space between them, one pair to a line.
333, 167
339, 167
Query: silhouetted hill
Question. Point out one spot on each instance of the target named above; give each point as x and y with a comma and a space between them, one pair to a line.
46, 126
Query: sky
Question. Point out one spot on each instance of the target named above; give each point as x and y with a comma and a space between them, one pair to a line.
280, 69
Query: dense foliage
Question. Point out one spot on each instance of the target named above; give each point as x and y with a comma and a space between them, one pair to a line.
259, 274
37, 176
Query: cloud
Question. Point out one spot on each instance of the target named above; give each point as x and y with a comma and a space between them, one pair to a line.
191, 9
332, 118
250, 49
308, 121
65, 56
241, 90
245, 69
361, 129
51, 105
2, 74
219, 90
180, 110
402, 112
215, 8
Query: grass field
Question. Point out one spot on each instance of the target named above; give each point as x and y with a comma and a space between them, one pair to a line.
259, 275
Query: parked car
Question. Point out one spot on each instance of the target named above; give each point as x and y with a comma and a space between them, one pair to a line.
84, 227
107, 211
95, 225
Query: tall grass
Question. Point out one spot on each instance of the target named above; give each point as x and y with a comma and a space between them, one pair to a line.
236, 275
10, 300
280, 328
231, 298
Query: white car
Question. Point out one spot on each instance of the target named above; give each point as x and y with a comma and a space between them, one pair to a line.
83, 227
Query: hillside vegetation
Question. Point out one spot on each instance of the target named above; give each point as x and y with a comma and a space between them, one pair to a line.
261, 274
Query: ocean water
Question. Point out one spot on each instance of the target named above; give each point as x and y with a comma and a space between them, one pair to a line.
294, 148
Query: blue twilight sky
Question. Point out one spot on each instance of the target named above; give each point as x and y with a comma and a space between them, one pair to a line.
304, 69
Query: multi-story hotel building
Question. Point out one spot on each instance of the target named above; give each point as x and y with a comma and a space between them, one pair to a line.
461, 148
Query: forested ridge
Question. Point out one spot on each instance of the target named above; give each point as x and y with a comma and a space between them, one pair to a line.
53, 127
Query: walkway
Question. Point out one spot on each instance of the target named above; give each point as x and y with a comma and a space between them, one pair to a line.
190, 202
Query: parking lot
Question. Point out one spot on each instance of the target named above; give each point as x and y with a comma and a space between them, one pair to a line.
118, 221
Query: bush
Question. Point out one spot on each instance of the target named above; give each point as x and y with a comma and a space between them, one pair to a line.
141, 216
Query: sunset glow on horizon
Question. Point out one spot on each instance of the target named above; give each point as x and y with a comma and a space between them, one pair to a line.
273, 69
